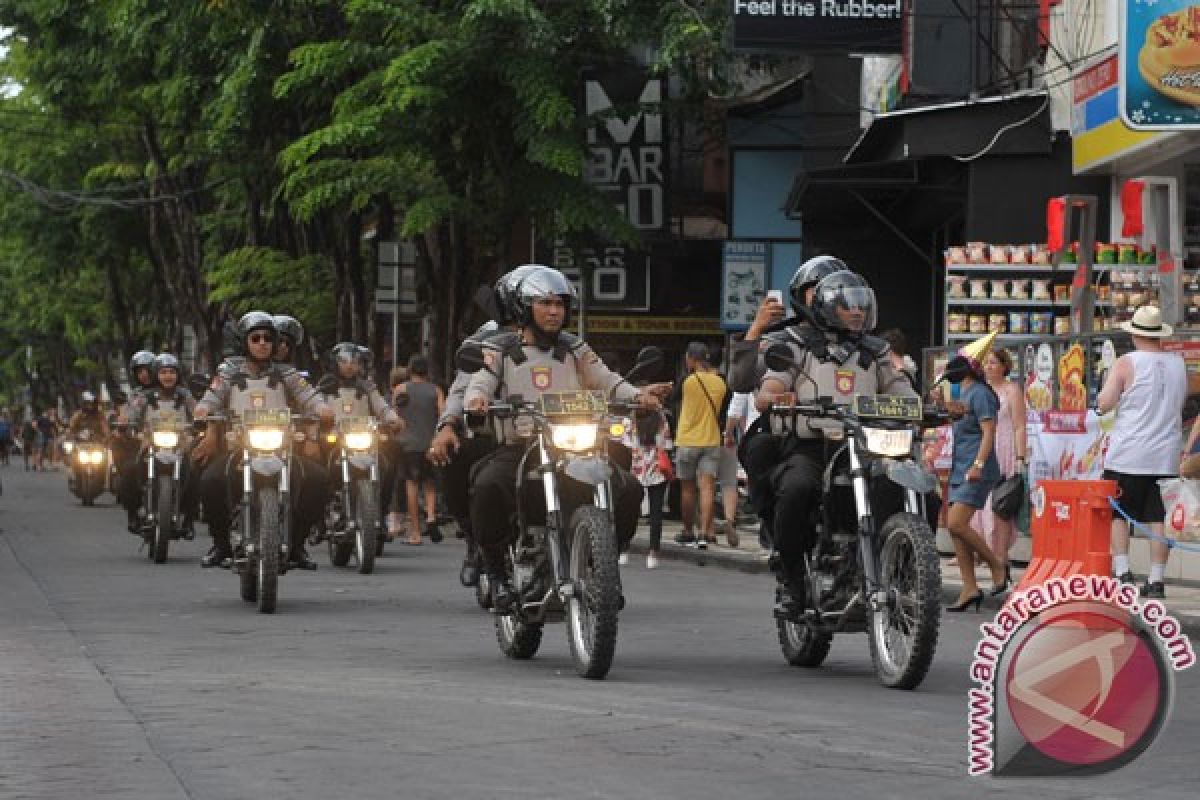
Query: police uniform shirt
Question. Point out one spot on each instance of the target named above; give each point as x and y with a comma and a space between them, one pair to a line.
142, 406
868, 371
360, 398
746, 364
272, 387
529, 371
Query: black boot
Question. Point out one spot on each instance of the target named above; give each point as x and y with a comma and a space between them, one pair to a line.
504, 597
468, 576
221, 554
133, 521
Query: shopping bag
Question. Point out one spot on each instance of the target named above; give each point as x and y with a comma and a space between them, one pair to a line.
1181, 499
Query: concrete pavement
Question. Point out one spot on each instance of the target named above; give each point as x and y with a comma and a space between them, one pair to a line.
119, 678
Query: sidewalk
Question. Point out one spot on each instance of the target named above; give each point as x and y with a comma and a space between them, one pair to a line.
1183, 599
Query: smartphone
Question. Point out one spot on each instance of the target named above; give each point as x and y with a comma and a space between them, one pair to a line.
776, 295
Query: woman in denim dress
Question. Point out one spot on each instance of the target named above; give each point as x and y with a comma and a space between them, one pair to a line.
974, 472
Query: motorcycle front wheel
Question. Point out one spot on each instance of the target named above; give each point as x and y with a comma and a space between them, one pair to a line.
267, 520
164, 523
518, 638
593, 606
904, 634
802, 644
366, 517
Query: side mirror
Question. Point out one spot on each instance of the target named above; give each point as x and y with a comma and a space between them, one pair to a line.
469, 358
779, 358
197, 383
647, 359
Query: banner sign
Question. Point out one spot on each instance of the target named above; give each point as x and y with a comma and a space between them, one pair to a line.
1159, 47
830, 26
743, 283
627, 146
609, 278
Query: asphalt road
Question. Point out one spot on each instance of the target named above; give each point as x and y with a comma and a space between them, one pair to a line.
119, 678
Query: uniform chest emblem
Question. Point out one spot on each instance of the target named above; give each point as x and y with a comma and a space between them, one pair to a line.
258, 399
348, 407
845, 381
542, 378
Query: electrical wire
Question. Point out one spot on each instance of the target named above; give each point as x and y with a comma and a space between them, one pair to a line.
1010, 126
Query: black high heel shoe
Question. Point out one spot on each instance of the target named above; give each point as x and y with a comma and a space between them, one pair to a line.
974, 600
1003, 588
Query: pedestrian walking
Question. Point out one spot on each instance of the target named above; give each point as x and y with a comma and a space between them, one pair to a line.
420, 403
29, 436
399, 505
6, 437
1147, 388
698, 442
743, 413
974, 470
649, 441
1011, 449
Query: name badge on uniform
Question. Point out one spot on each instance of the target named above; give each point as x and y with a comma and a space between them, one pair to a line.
258, 399
845, 381
542, 378
348, 407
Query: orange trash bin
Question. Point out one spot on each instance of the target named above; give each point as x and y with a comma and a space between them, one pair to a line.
1071, 527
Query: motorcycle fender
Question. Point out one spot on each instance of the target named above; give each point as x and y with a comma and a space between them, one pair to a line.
363, 462
911, 475
591, 470
267, 466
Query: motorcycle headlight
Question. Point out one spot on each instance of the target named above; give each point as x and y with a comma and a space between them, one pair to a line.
265, 438
167, 440
359, 440
91, 457
891, 443
575, 437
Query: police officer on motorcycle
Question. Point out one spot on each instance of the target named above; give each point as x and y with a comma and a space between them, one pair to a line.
759, 453
350, 392
242, 383
455, 448
88, 417
540, 357
170, 396
837, 359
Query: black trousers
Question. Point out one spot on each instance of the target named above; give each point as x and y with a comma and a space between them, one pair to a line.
131, 486
494, 503
221, 486
456, 481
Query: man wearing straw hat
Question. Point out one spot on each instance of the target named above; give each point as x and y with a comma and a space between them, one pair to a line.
1147, 387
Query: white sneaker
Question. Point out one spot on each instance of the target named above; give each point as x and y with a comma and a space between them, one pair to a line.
651, 561
623, 559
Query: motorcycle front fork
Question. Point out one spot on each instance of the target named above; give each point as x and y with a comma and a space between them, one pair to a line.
249, 533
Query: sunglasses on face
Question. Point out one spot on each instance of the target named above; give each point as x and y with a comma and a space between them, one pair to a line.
259, 338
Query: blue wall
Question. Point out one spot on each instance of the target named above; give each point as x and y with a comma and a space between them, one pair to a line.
762, 180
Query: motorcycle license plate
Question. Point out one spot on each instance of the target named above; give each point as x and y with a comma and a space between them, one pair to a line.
354, 424
267, 418
886, 406
561, 404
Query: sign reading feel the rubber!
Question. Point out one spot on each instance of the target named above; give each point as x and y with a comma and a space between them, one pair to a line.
834, 26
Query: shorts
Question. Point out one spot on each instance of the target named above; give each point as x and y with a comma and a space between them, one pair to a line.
727, 472
1139, 495
414, 466
972, 493
690, 461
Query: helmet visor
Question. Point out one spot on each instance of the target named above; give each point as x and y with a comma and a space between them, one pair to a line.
851, 308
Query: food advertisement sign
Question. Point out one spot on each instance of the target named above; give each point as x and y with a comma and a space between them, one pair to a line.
1160, 64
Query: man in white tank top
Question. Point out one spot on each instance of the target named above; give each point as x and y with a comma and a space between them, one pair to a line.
1147, 387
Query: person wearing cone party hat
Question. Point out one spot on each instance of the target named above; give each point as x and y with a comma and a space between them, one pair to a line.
1147, 388
974, 469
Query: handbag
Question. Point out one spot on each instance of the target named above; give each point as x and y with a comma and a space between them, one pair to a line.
1008, 496
666, 467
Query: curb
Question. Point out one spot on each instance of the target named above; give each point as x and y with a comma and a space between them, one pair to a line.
752, 564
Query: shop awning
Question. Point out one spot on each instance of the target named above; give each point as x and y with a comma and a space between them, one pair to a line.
1009, 125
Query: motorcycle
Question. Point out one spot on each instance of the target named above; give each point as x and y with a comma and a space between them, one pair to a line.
89, 458
260, 533
564, 569
353, 524
863, 573
164, 485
